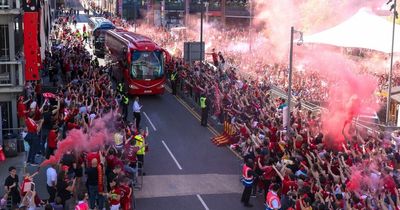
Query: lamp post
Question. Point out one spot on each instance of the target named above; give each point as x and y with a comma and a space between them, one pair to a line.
391, 62
134, 13
206, 4
251, 25
201, 29
292, 31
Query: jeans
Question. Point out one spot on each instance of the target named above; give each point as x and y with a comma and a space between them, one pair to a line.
137, 117
52, 192
246, 194
130, 170
34, 144
43, 139
95, 196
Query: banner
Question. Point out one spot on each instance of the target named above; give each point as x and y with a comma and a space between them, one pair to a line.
31, 46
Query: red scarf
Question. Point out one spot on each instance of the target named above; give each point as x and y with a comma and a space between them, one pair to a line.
100, 178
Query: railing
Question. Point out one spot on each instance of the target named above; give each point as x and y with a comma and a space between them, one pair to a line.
196, 7
11, 73
174, 6
10, 4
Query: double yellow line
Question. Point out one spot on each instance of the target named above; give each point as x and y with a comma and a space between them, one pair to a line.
198, 117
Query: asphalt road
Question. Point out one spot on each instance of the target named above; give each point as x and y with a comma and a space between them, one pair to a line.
201, 172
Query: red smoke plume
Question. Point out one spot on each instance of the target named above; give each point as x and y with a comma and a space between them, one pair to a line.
97, 136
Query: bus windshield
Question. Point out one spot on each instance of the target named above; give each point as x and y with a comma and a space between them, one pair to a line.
147, 65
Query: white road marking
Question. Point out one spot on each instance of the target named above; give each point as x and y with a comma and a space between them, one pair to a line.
151, 123
202, 202
172, 155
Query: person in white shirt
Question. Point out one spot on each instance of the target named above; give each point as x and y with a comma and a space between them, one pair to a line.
51, 182
136, 111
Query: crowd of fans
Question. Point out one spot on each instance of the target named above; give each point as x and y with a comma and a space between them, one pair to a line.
358, 172
307, 168
83, 94
259, 65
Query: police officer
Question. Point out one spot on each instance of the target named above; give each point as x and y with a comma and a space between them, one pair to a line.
248, 176
140, 142
174, 76
125, 103
204, 110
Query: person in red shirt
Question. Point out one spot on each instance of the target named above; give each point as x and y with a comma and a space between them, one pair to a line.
114, 196
82, 203
130, 157
52, 140
22, 111
93, 155
214, 57
126, 194
33, 138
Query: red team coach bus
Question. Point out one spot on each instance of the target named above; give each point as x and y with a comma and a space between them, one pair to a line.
141, 62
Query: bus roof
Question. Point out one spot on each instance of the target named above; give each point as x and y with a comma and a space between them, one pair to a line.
139, 41
101, 23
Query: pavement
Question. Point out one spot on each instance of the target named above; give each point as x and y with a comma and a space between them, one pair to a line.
184, 170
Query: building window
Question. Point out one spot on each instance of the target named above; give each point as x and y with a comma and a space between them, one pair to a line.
4, 4
6, 116
5, 74
4, 43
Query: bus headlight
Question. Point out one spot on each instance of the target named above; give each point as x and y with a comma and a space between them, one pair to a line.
161, 86
131, 86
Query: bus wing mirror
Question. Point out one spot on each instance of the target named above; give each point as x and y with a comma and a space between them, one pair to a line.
128, 56
167, 56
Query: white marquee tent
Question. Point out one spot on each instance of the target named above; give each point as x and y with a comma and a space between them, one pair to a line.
362, 30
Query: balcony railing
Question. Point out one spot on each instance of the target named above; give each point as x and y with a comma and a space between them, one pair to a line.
174, 6
11, 73
10, 4
5, 74
196, 7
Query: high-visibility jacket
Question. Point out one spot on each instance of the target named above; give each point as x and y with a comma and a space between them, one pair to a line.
125, 100
173, 76
270, 197
120, 87
246, 179
139, 143
203, 102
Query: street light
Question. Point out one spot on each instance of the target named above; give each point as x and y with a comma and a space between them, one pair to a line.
206, 4
251, 25
201, 29
300, 41
395, 15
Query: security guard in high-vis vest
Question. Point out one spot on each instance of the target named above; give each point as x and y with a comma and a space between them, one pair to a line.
204, 110
248, 176
125, 103
174, 76
120, 87
140, 142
